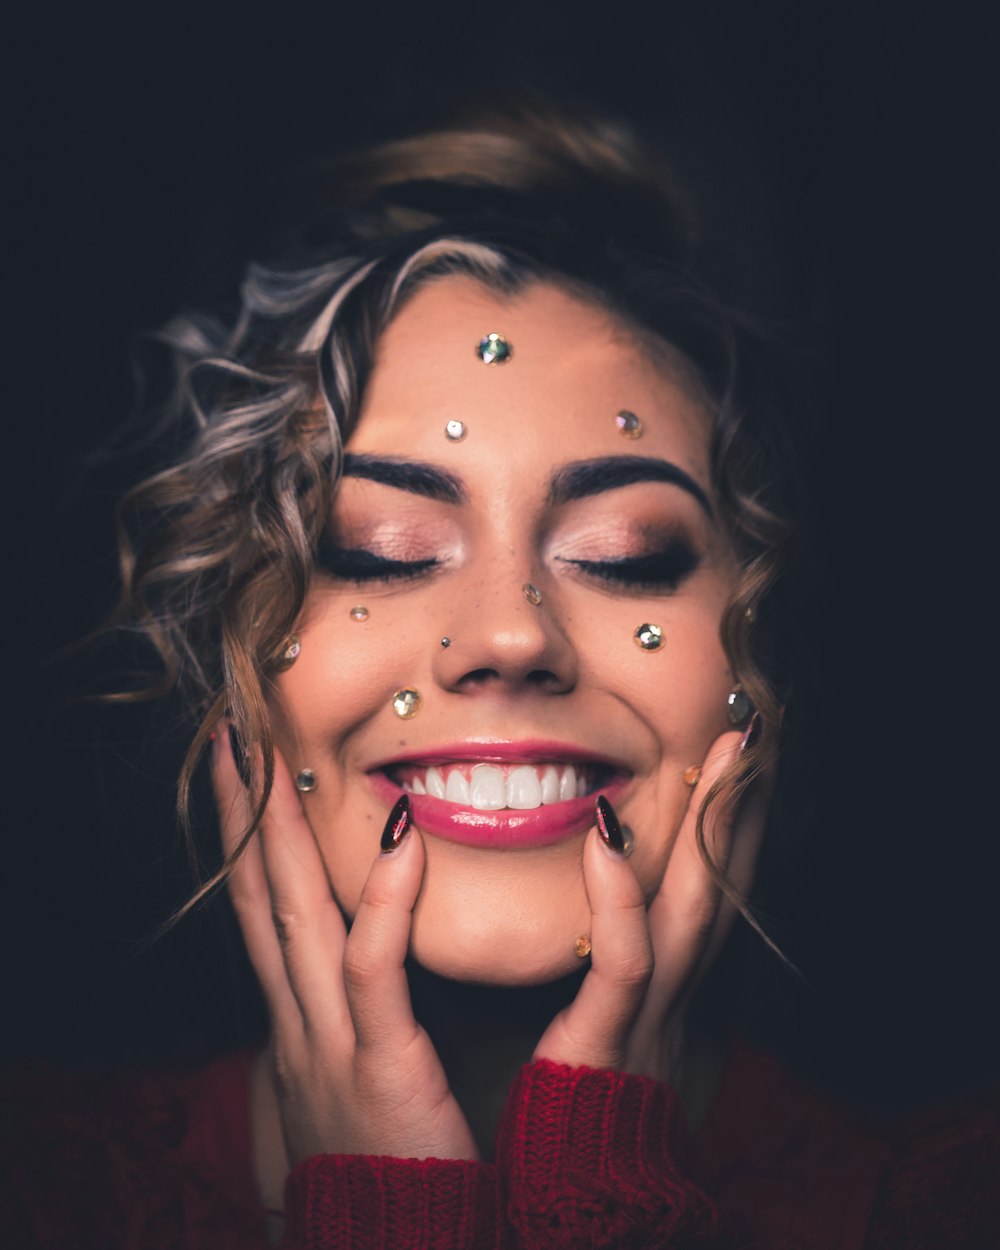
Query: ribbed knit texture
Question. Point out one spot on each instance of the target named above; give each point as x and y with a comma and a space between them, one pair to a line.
362, 1202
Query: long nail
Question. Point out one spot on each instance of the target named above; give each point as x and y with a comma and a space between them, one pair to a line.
397, 825
239, 757
608, 827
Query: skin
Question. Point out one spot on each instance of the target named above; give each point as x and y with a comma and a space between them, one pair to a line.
349, 1069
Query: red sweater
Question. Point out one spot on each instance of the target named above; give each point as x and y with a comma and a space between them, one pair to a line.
584, 1159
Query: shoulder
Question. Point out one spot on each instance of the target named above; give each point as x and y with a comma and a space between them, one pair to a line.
127, 1159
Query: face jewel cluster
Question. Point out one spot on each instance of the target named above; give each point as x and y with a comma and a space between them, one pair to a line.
490, 787
494, 349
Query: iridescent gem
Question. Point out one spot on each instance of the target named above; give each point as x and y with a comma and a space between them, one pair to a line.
359, 613
649, 637
739, 709
628, 424
582, 947
305, 780
293, 648
405, 703
455, 431
494, 349
531, 593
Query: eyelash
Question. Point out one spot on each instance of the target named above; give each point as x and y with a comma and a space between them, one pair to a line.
355, 564
655, 570
665, 568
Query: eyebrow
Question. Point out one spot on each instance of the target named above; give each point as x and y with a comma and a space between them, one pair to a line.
593, 477
410, 475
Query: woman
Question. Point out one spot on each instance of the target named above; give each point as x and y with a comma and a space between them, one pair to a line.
470, 568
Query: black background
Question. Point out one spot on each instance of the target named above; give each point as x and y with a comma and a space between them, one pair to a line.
845, 157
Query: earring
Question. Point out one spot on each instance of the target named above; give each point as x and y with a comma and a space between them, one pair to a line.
305, 780
289, 653
531, 593
648, 637
739, 709
494, 349
582, 946
629, 425
406, 703
359, 613
455, 431
692, 775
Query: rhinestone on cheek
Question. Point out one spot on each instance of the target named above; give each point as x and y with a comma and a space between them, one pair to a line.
359, 613
455, 431
406, 703
494, 349
582, 947
305, 780
292, 651
531, 593
648, 637
629, 425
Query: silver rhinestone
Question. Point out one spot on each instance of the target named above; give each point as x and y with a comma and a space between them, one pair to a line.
531, 593
455, 431
649, 637
305, 780
359, 613
493, 349
445, 642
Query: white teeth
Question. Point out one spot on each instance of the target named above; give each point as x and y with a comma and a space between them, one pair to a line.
487, 789
567, 783
550, 784
457, 790
524, 790
435, 783
490, 787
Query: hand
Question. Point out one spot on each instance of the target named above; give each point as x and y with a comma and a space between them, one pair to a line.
645, 963
353, 1071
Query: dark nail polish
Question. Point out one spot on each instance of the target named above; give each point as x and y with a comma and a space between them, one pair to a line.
397, 825
239, 757
608, 826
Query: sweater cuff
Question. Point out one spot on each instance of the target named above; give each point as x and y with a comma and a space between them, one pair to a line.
368, 1202
594, 1158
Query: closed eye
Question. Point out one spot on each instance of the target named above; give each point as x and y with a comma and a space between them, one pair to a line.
662, 570
356, 564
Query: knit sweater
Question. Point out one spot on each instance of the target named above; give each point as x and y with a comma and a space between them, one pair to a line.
584, 1158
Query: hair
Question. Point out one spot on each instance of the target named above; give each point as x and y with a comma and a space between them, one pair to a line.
217, 548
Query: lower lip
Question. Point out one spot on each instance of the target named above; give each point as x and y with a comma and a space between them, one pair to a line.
507, 828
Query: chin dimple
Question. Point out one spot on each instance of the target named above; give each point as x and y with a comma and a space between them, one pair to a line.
494, 787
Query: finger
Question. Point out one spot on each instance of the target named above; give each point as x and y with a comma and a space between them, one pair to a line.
304, 914
593, 1030
247, 883
374, 975
684, 912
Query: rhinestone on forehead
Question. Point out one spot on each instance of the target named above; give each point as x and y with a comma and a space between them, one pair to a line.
494, 349
455, 431
629, 425
406, 703
649, 637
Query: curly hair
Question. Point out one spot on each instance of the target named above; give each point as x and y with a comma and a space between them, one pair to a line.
217, 549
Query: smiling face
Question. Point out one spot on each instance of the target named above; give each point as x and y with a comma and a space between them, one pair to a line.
532, 708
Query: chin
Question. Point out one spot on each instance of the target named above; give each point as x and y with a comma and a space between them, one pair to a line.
488, 945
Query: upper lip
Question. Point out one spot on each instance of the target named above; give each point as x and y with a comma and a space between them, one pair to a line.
481, 751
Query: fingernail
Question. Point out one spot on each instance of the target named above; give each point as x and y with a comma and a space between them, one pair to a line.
396, 826
239, 757
752, 733
608, 827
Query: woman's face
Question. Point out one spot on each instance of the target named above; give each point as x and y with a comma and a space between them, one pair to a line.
531, 709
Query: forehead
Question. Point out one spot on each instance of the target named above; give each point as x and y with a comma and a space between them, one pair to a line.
573, 368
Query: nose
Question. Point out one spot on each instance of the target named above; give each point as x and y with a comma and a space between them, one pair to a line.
499, 638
